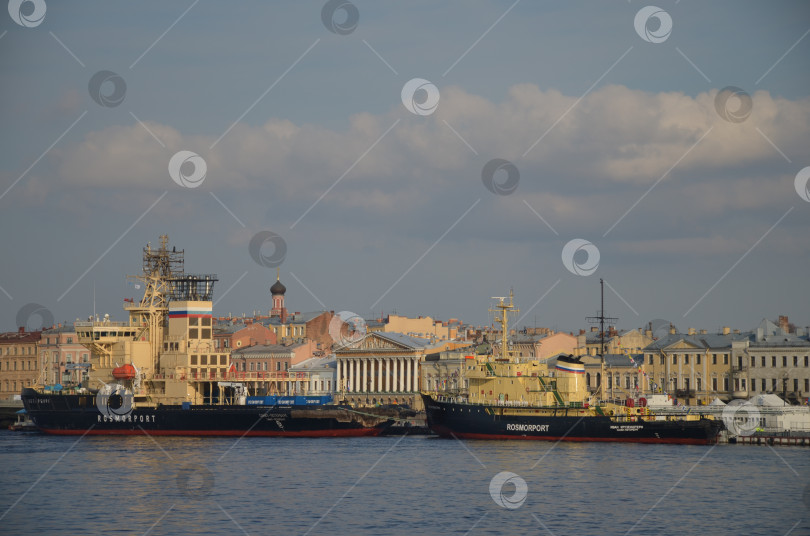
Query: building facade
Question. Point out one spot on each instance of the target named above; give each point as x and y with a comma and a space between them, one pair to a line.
773, 360
381, 368
695, 368
19, 365
62, 359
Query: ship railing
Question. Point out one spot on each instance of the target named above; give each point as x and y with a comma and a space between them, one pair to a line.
103, 323
266, 375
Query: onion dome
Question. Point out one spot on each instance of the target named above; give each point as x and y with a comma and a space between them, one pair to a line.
277, 287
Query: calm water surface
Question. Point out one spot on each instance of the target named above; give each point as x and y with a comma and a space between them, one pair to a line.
399, 486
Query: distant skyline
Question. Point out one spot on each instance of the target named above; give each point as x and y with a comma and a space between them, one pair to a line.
419, 158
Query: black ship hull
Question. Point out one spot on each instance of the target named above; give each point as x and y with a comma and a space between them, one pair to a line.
78, 415
473, 421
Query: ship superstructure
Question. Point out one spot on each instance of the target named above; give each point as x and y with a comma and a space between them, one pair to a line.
167, 341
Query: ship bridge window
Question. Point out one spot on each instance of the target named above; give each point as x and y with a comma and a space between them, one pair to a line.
193, 321
193, 359
193, 333
206, 322
206, 333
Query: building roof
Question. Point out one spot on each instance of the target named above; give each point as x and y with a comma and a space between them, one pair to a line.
296, 318
16, 337
316, 363
261, 350
403, 339
700, 340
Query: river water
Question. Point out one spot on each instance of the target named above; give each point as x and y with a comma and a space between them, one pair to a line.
396, 485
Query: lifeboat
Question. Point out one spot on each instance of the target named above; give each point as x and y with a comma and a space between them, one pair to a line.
124, 372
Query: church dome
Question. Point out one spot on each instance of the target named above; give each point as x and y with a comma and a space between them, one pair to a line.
278, 288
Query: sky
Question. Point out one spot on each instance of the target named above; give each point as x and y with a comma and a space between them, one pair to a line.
418, 158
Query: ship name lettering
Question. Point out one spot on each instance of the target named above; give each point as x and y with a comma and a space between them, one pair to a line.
527, 427
125, 418
627, 427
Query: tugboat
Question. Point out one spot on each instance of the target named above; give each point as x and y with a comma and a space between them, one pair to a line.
522, 398
160, 373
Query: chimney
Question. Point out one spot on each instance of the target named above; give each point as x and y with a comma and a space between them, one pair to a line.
672, 329
21, 329
726, 330
784, 324
582, 332
703, 332
594, 329
648, 333
691, 331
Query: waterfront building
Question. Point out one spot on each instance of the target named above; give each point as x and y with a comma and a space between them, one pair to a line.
694, 367
382, 368
319, 376
775, 360
18, 361
61, 358
445, 371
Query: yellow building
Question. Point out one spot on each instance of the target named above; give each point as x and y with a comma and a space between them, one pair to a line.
695, 367
18, 361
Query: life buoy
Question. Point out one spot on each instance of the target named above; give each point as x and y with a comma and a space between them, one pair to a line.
642, 402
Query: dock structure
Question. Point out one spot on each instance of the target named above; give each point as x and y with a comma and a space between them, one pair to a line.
766, 439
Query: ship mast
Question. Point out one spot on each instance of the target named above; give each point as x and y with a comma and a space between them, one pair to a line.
600, 319
500, 313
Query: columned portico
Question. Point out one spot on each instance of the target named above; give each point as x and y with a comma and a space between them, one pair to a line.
381, 368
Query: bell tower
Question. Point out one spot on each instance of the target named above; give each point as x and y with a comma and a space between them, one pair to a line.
277, 292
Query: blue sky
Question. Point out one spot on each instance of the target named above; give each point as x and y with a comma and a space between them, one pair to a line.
384, 210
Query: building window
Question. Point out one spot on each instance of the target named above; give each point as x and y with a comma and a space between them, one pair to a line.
753, 385
725, 359
805, 361
725, 383
651, 359
278, 365
686, 359
763, 384
70, 340
763, 361
795, 361
697, 359
795, 384
714, 359
675, 360
699, 383
753, 361
773, 384
773, 361
251, 367
784, 360
662, 359
806, 385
